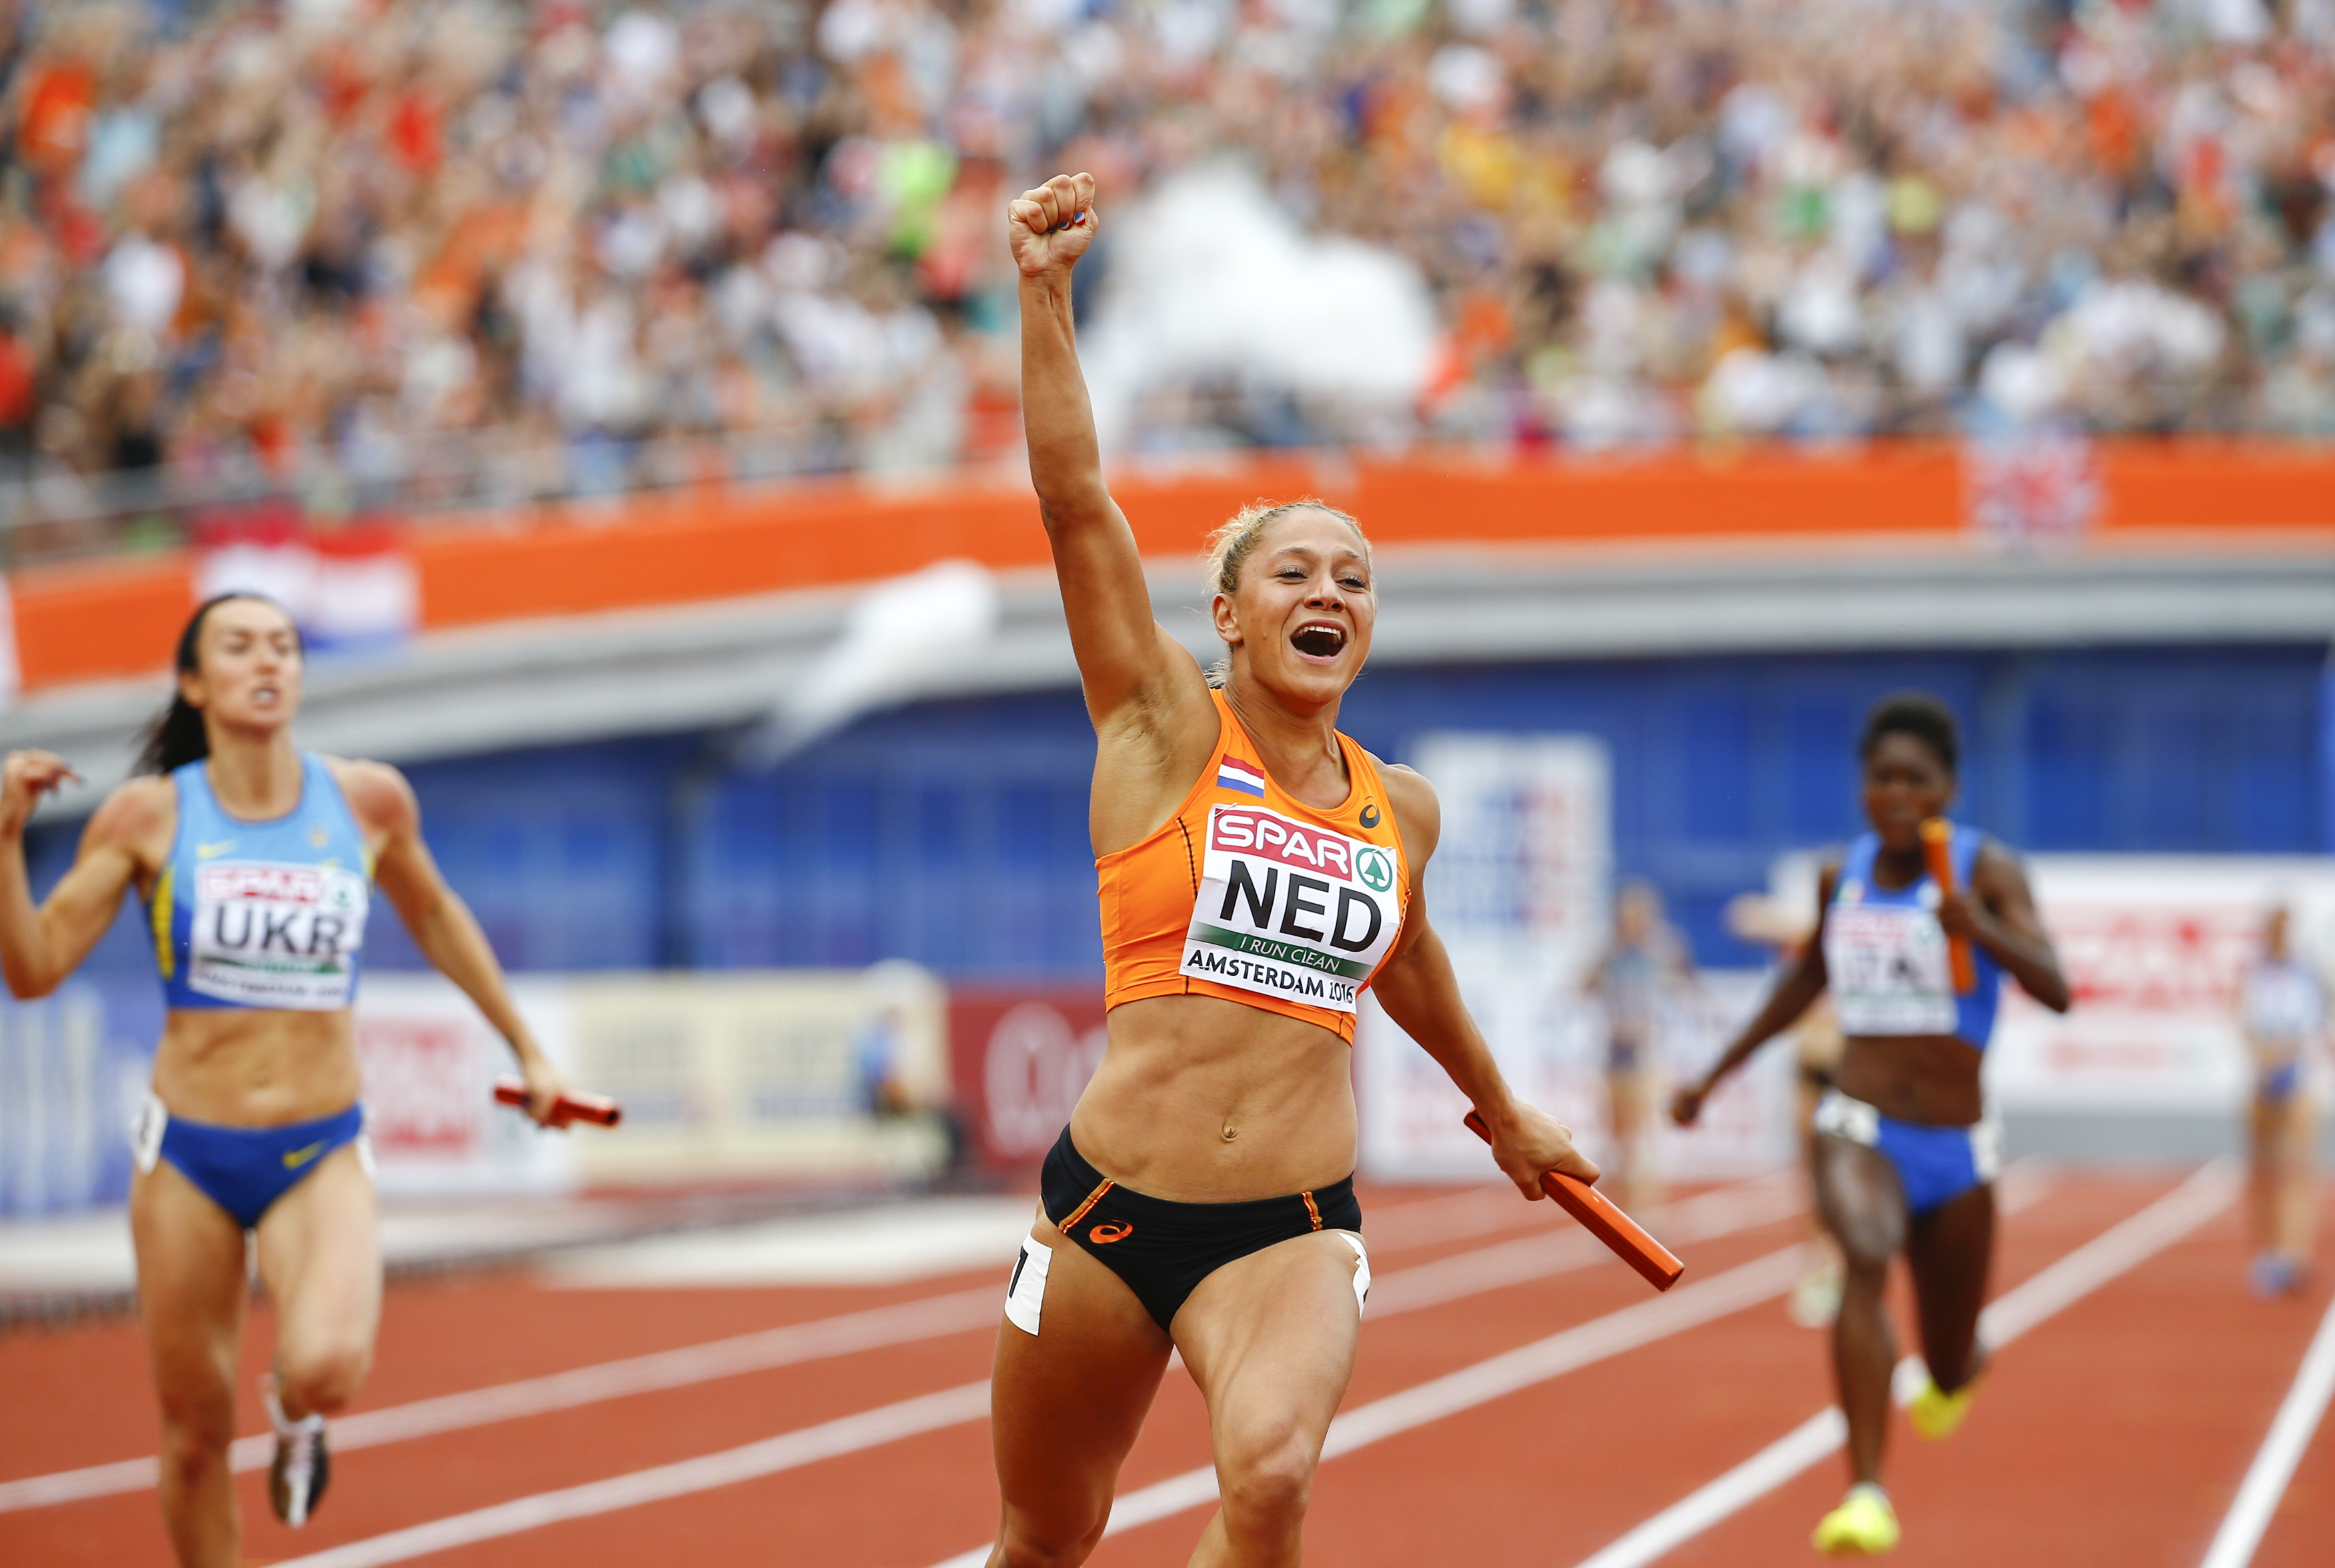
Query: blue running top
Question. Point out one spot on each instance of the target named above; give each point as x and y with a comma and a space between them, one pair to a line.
263, 915
1885, 952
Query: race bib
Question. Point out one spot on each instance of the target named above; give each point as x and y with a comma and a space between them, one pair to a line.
1289, 909
1889, 971
272, 936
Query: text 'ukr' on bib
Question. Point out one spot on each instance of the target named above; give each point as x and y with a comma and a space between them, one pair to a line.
1889, 969
267, 934
1291, 909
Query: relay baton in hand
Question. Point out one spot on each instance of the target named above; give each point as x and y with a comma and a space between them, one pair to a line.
596, 1108
1603, 1220
1937, 842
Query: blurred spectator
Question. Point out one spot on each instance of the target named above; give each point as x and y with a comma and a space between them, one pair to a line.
2282, 1011
353, 235
1638, 982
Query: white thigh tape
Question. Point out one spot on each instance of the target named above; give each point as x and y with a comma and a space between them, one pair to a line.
1850, 1118
1361, 1273
146, 1134
1025, 1293
1986, 1147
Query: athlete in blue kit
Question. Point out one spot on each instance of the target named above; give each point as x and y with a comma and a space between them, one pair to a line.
255, 864
1905, 1153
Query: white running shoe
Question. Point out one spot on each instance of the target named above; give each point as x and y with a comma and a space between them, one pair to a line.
297, 1477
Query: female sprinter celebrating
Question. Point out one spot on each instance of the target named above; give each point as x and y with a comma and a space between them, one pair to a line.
1905, 1153
253, 860
1257, 870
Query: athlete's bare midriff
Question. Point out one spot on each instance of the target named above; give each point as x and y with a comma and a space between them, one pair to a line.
1181, 1070
252, 1067
1932, 1079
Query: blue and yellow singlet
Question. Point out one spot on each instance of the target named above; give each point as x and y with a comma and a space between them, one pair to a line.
263, 915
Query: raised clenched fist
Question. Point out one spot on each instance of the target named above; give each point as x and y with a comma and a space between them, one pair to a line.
1050, 227
23, 779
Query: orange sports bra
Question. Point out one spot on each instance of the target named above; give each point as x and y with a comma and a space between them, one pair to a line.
1255, 896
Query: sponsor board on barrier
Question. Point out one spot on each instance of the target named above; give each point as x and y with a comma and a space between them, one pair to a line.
2154, 947
1022, 1056
1550, 1042
727, 1076
73, 1070
1520, 890
430, 1063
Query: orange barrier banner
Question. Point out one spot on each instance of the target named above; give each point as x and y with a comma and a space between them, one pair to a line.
118, 618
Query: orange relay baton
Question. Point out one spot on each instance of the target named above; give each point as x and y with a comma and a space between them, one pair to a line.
596, 1108
1605, 1221
1937, 842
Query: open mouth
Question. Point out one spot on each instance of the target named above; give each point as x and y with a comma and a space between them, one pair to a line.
1319, 639
264, 695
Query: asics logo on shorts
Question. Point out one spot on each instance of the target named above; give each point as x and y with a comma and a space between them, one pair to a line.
1104, 1235
294, 1158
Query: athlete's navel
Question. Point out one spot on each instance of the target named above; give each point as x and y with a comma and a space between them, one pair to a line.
1231, 1132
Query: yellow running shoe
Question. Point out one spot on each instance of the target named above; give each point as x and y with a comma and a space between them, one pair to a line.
1864, 1526
1936, 1414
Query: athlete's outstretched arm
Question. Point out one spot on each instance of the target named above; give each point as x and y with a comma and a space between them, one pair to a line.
1125, 657
442, 925
1421, 993
40, 945
1794, 994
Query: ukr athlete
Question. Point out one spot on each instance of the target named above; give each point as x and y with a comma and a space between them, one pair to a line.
1257, 870
256, 863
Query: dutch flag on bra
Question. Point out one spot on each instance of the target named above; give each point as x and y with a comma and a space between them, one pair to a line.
1232, 773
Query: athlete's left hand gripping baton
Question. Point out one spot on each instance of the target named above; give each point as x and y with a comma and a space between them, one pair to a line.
1604, 1220
596, 1109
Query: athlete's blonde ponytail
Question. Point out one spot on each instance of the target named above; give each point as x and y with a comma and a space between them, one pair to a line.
1230, 546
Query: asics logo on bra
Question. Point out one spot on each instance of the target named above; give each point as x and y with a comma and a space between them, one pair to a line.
211, 851
1370, 818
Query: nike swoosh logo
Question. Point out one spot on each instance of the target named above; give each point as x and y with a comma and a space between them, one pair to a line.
294, 1158
208, 851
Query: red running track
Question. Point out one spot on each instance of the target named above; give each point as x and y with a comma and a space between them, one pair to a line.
2115, 1432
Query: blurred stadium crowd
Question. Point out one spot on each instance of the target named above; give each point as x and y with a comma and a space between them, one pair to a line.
558, 248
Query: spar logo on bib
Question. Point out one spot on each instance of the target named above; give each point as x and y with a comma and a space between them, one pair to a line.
276, 935
1291, 909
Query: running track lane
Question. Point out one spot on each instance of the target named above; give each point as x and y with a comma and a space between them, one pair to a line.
451, 1334
2114, 1435
1500, 1462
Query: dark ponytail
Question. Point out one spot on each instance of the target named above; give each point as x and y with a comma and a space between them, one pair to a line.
177, 736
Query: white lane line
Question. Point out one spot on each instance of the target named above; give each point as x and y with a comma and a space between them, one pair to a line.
787, 1451
1600, 1339
1593, 1341
797, 1342
1537, 1256
2114, 1251
2289, 1434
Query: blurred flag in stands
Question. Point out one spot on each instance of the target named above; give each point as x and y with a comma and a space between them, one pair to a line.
350, 586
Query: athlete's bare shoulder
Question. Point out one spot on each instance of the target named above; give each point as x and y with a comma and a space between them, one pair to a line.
141, 816
1417, 812
378, 795
1997, 873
